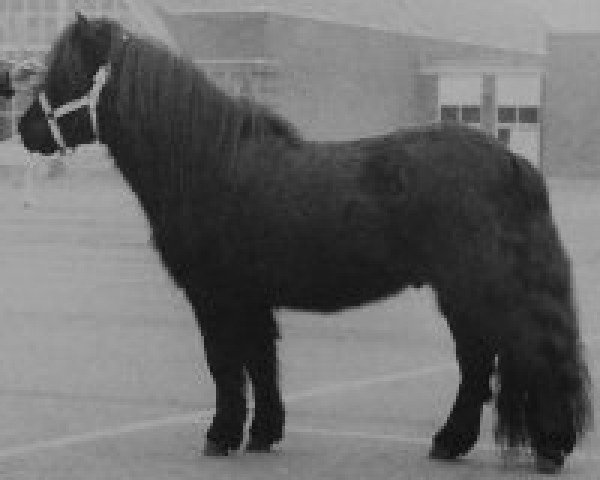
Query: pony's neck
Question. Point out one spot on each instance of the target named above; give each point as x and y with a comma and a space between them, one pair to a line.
172, 132
166, 161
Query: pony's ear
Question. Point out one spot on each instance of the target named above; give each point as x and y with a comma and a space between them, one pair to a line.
94, 39
82, 22
84, 28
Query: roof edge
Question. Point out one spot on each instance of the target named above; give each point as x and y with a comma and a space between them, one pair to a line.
573, 33
184, 10
325, 19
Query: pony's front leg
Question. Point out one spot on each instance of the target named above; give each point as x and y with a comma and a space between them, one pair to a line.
262, 367
226, 431
221, 329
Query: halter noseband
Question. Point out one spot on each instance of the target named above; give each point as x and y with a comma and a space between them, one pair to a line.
89, 100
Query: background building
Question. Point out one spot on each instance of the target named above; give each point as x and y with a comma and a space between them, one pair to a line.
346, 68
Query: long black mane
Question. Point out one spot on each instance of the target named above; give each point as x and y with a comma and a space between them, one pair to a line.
158, 87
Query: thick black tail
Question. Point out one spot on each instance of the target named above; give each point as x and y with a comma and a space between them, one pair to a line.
544, 397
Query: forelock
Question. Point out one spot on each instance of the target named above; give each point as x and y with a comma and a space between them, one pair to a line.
66, 59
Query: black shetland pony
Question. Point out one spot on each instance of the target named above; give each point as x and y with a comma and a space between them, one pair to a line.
249, 217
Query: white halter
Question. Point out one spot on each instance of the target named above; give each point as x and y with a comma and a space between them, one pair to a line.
89, 100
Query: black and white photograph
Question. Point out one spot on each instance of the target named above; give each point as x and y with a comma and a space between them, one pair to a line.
299, 239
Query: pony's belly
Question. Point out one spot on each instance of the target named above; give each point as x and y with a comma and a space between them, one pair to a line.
348, 288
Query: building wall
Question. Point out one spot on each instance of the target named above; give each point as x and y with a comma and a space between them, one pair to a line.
219, 35
341, 82
571, 118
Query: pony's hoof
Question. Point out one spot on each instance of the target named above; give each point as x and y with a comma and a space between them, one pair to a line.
438, 452
549, 465
214, 449
256, 446
449, 444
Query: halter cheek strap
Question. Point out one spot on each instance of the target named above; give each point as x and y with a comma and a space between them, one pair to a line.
90, 100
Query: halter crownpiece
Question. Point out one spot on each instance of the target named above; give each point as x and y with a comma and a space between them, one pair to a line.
89, 100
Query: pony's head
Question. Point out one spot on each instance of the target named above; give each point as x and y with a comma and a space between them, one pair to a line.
63, 113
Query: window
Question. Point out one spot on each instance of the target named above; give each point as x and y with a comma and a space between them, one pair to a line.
504, 135
449, 113
528, 115
507, 115
518, 114
471, 114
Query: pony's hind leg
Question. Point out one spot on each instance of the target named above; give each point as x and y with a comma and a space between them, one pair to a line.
476, 360
220, 325
262, 367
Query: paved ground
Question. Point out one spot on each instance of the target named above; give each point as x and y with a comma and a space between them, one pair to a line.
102, 374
